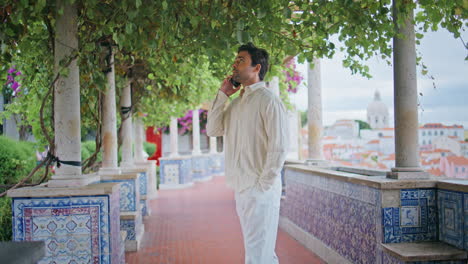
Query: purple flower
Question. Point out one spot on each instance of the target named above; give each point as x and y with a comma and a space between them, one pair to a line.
10, 79
15, 86
11, 70
18, 73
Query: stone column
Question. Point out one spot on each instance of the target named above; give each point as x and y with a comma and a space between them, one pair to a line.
196, 132
138, 132
67, 101
405, 100
314, 114
174, 138
213, 147
109, 120
127, 127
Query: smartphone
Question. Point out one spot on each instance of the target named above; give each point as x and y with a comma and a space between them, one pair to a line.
236, 84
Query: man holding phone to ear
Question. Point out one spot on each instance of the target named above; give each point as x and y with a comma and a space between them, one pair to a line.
254, 126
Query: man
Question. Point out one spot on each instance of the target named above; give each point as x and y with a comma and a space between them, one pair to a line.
255, 129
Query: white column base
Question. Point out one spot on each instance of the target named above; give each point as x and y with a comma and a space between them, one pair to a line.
410, 173
75, 181
127, 165
317, 163
209, 178
175, 186
110, 171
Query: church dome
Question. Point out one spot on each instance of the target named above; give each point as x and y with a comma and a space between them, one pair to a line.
377, 107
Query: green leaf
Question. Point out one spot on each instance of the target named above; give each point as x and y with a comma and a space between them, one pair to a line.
40, 5
138, 3
287, 12
239, 36
261, 13
240, 24
129, 28
164, 5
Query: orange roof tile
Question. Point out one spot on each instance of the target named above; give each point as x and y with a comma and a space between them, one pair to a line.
381, 166
435, 172
438, 125
440, 150
458, 160
390, 157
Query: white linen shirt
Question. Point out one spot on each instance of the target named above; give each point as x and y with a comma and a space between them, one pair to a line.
255, 132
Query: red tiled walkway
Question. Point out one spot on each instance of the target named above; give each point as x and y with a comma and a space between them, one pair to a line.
200, 225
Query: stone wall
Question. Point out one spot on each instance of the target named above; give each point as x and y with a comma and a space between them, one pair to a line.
343, 216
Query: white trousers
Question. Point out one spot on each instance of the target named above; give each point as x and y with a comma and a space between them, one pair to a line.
258, 213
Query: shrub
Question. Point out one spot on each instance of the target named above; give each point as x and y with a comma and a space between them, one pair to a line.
5, 219
149, 148
90, 147
17, 159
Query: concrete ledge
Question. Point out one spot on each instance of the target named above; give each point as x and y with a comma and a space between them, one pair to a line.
41, 191
134, 169
22, 252
458, 185
205, 179
175, 186
128, 215
311, 243
176, 158
378, 182
63, 181
122, 176
424, 251
138, 230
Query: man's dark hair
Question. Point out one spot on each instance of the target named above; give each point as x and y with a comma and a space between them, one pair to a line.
259, 56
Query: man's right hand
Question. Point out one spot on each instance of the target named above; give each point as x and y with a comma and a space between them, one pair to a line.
227, 87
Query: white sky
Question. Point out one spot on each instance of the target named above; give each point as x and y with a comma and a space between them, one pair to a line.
346, 96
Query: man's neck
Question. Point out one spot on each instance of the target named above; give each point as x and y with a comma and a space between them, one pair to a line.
251, 81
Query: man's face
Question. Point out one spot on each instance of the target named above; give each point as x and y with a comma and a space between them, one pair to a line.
242, 69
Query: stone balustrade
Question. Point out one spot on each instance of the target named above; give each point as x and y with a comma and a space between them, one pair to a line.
350, 217
130, 206
77, 224
182, 171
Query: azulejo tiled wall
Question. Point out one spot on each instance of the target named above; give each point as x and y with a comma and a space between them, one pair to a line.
200, 169
133, 228
217, 164
75, 229
129, 194
453, 218
143, 182
175, 171
342, 215
414, 220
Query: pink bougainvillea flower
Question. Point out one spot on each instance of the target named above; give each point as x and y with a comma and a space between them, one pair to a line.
15, 86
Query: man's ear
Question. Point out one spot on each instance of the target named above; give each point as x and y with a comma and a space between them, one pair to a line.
257, 68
